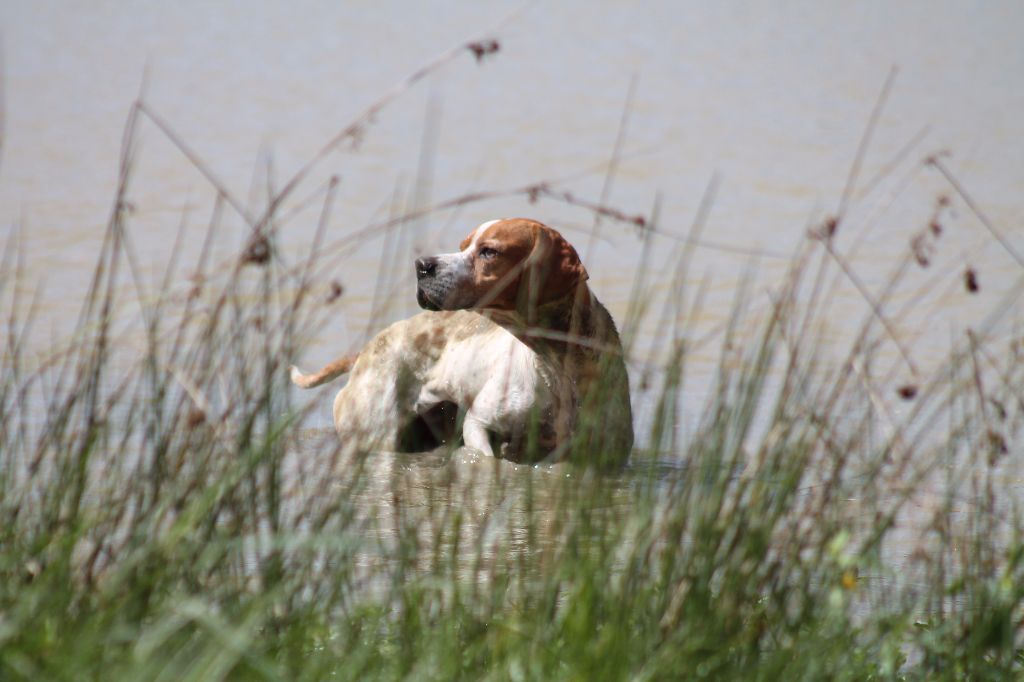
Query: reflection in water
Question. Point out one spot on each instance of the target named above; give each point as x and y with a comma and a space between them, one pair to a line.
481, 513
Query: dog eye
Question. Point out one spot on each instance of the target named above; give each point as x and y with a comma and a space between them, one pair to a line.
487, 252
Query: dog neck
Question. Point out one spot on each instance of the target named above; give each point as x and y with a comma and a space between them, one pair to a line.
559, 323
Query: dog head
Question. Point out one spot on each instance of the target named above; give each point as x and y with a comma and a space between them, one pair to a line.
510, 264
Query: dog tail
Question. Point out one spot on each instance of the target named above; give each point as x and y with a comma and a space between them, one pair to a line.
329, 372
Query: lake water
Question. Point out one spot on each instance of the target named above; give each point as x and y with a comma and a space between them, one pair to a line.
767, 100
772, 100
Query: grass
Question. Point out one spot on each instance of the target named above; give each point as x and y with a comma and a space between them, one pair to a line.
152, 528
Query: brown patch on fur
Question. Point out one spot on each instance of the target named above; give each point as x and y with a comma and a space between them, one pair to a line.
438, 337
560, 265
534, 265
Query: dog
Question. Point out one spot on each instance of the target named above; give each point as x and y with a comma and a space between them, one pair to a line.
512, 341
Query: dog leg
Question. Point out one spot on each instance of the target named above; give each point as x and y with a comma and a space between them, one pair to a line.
474, 434
366, 417
428, 398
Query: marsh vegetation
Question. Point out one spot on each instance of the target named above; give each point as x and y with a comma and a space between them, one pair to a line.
167, 514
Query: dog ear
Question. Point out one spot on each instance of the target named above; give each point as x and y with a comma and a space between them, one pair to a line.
556, 269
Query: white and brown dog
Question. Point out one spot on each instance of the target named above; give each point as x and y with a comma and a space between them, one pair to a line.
514, 341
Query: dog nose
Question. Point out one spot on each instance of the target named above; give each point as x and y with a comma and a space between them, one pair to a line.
425, 267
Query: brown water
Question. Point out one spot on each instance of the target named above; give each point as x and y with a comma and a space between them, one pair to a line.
771, 100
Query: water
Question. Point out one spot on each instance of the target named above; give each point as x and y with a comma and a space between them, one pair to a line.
772, 101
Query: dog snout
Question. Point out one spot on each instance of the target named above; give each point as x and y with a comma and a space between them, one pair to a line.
426, 267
